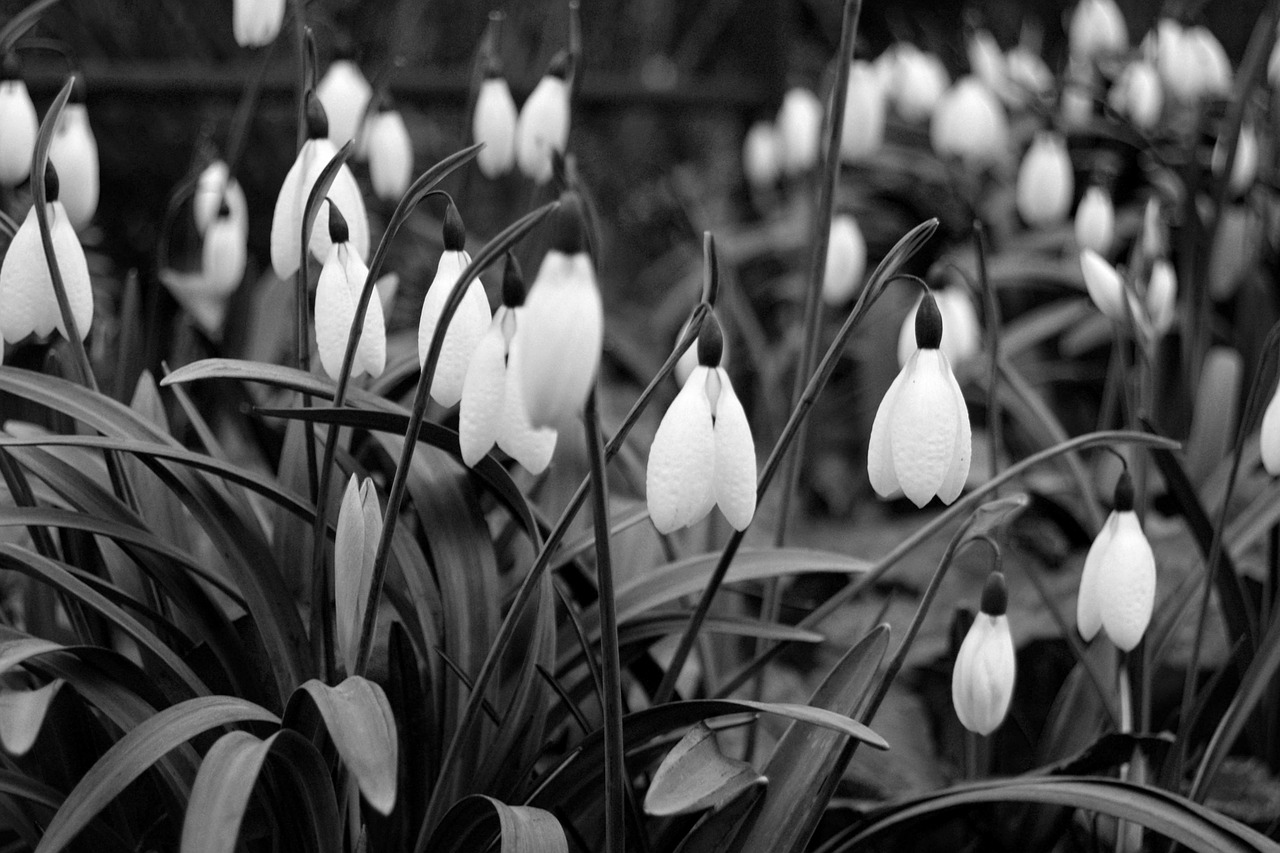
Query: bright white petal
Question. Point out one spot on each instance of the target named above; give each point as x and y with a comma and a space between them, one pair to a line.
735, 468
345, 193
880, 470
962, 453
371, 353
925, 426
1088, 606
982, 681
74, 269
18, 138
543, 127
479, 416
1127, 583
23, 279
286, 220
223, 257
467, 327
679, 484
74, 152
390, 155
494, 124
1270, 437
335, 310
531, 447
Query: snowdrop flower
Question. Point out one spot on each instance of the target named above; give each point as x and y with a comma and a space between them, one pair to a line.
1046, 182
26, 288
1162, 296
1104, 284
213, 187
74, 152
542, 128
1027, 75
1269, 438
970, 123
1245, 167
493, 409
1209, 58
337, 295
224, 254
1192, 62
390, 152
982, 681
846, 260
286, 222
345, 94
1097, 28
1095, 222
1138, 95
799, 130
986, 61
256, 23
494, 124
920, 439
469, 321
18, 125
761, 155
355, 544
689, 358
563, 325
963, 339
918, 82
703, 453
1118, 585
863, 129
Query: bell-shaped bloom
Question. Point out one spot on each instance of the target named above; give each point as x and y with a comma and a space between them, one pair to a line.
27, 302
345, 94
337, 294
256, 23
864, 110
562, 330
390, 152
917, 82
920, 442
761, 155
962, 335
982, 681
542, 128
1191, 61
1097, 28
846, 260
1244, 169
494, 124
355, 545
286, 222
1095, 223
74, 152
703, 453
1105, 286
1269, 440
1138, 94
224, 254
1046, 182
986, 60
799, 130
1027, 75
1118, 585
1209, 57
969, 123
215, 186
1075, 104
468, 324
1162, 296
18, 127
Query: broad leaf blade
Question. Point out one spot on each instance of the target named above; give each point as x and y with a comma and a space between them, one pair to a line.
476, 822
696, 775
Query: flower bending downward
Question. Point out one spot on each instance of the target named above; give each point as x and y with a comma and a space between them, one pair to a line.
494, 123
1118, 585
74, 151
543, 125
337, 294
18, 124
982, 681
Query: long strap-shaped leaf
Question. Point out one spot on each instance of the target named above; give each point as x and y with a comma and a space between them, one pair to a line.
476, 822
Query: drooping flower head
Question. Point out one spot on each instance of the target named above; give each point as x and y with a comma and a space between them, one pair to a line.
1097, 28
345, 94
74, 151
918, 80
1095, 222
1046, 181
494, 123
390, 152
1138, 94
213, 187
969, 123
355, 545
920, 439
1118, 584
982, 681
18, 125
224, 254
963, 339
703, 453
864, 110
799, 130
256, 23
337, 294
846, 260
542, 129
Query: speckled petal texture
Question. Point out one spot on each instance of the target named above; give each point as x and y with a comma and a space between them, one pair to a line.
958, 472
982, 681
26, 290
469, 324
925, 427
371, 353
529, 446
74, 269
482, 395
1127, 583
1088, 608
880, 447
679, 483
335, 310
735, 475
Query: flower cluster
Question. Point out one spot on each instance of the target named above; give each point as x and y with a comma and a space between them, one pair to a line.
531, 138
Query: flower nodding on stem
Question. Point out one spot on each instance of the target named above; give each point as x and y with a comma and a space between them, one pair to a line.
928, 324
568, 225
995, 595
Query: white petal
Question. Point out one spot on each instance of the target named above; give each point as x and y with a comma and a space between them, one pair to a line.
543, 127
223, 257
962, 453
286, 219
479, 416
531, 447
1269, 439
1088, 607
880, 469
18, 129
982, 681
1127, 583
74, 269
344, 92
390, 155
494, 124
735, 469
212, 190
74, 152
1104, 284
469, 324
335, 310
679, 484
925, 426
846, 261
24, 280
345, 193
256, 23
348, 566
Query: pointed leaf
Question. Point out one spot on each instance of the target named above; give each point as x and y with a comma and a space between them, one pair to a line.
696, 775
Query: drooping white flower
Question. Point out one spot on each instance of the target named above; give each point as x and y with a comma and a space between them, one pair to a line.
1209, 57
799, 130
224, 254
1162, 296
920, 442
345, 94
27, 301
846, 260
18, 125
1095, 223
986, 61
918, 82
970, 123
703, 453
962, 335
390, 152
355, 545
1269, 438
761, 155
1118, 584
74, 152
1138, 95
1097, 28
1105, 286
337, 295
1245, 167
1046, 182
863, 129
468, 324
1027, 75
542, 128
256, 23
562, 330
286, 222
213, 187
982, 681
494, 124
1191, 61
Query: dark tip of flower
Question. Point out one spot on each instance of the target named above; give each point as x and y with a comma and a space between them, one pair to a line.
317, 119
995, 595
559, 65
567, 224
710, 342
928, 323
338, 231
224, 210
10, 69
1124, 493
492, 67
455, 233
51, 183
513, 289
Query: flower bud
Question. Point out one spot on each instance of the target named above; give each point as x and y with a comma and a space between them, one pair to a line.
1155, 238
18, 126
543, 126
1162, 296
1138, 95
1104, 284
1027, 75
345, 94
1046, 182
863, 129
969, 123
799, 130
223, 255
256, 23
1269, 438
74, 151
1097, 28
1244, 169
1210, 58
1095, 222
390, 153
982, 681
494, 124
761, 152
354, 547
917, 83
846, 260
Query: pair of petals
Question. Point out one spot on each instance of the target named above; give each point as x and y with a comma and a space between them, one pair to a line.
465, 329
1118, 585
702, 455
27, 301
920, 440
543, 127
337, 293
982, 681
354, 547
286, 222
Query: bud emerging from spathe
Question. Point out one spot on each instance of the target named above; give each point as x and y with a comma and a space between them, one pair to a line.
1046, 182
962, 336
1138, 95
345, 93
864, 111
355, 544
337, 294
920, 440
1118, 585
1162, 296
1245, 167
286, 222
494, 124
982, 681
215, 186
562, 330
703, 453
256, 23
917, 82
1105, 286
390, 152
1097, 28
799, 130
846, 260
1095, 222
469, 321
26, 288
761, 153
74, 151
18, 125
543, 126
970, 123
224, 254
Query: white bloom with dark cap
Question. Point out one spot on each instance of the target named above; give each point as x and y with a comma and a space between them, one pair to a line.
28, 304
982, 681
337, 294
703, 453
920, 442
846, 260
355, 545
863, 129
1097, 28
542, 129
761, 155
493, 409
345, 94
215, 186
562, 332
1105, 286
1046, 181
286, 222
494, 124
1138, 94
390, 152
224, 254
1095, 222
18, 125
969, 123
74, 152
963, 338
799, 130
468, 324
256, 23
1118, 584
